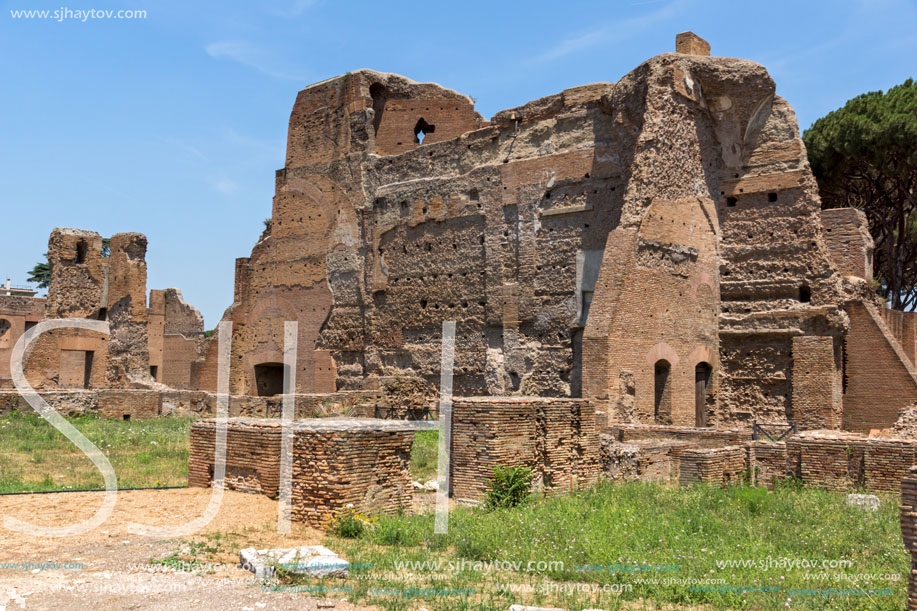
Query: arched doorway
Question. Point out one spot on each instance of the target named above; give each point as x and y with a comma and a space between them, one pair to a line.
662, 407
702, 375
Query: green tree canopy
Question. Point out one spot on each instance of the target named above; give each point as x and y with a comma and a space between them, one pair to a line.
864, 155
41, 274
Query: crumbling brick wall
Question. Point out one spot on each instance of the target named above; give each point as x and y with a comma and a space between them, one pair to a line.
128, 361
703, 438
841, 461
849, 243
129, 404
84, 284
17, 313
335, 463
647, 460
176, 338
717, 258
724, 465
252, 455
767, 462
555, 437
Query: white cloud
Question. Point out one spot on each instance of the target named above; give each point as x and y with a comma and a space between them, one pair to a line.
225, 186
611, 33
249, 55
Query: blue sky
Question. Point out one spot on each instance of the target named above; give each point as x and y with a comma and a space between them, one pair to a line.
173, 125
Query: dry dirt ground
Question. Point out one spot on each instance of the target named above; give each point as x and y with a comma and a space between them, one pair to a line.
115, 571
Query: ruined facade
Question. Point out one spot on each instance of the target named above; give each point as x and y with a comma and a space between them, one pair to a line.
176, 339
655, 244
162, 343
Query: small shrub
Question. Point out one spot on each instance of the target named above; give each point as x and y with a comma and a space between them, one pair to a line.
751, 499
350, 524
510, 487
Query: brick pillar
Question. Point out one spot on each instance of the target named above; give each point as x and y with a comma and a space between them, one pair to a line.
909, 532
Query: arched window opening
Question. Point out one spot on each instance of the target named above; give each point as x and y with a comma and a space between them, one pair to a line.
662, 409
421, 129
702, 375
377, 92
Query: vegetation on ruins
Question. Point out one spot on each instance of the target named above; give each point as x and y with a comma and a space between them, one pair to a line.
350, 523
34, 456
424, 455
510, 487
864, 155
686, 531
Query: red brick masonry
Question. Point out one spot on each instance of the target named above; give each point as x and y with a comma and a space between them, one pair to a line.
335, 462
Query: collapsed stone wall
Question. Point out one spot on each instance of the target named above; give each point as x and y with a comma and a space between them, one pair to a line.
841, 461
647, 460
555, 437
767, 462
72, 358
833, 460
128, 359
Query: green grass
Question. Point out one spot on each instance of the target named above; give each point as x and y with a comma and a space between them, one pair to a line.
34, 456
424, 454
639, 523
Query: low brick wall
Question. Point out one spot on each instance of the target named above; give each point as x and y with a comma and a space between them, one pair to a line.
711, 465
335, 462
647, 460
188, 402
701, 437
767, 462
555, 437
909, 532
129, 404
252, 455
66, 402
144, 403
837, 460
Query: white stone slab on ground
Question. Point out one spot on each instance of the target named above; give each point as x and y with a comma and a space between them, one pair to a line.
312, 560
868, 502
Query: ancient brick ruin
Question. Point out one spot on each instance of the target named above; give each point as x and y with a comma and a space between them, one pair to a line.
145, 346
655, 245
556, 438
638, 272
362, 462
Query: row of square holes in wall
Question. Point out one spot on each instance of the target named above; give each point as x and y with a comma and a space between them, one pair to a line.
732, 201
423, 279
